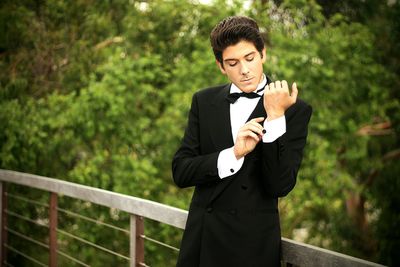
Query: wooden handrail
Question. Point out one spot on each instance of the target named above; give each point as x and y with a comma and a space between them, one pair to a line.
293, 252
133, 205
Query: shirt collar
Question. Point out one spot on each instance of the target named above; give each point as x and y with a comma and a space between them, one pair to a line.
235, 89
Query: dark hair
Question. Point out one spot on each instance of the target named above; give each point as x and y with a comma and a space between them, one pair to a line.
231, 31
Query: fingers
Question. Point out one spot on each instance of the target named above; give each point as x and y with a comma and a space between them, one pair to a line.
283, 87
259, 119
249, 133
271, 86
278, 86
252, 129
278, 98
248, 136
254, 126
295, 92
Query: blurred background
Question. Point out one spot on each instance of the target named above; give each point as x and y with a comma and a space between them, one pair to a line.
97, 93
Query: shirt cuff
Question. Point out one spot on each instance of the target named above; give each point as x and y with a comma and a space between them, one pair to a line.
275, 129
227, 163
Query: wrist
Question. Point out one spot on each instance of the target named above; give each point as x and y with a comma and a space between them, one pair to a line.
274, 115
237, 154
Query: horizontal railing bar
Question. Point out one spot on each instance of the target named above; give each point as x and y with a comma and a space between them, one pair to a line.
24, 255
8, 264
93, 244
72, 258
70, 213
159, 242
93, 220
301, 254
143, 264
27, 238
26, 218
141, 207
27, 200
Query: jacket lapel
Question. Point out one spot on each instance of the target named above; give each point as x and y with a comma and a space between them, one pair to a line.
221, 131
259, 111
220, 121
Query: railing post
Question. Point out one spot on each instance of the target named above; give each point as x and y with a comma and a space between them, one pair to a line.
53, 230
137, 241
3, 226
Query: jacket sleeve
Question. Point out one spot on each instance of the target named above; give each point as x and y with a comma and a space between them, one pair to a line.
281, 159
189, 166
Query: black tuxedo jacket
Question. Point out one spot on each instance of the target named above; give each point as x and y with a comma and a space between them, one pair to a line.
234, 221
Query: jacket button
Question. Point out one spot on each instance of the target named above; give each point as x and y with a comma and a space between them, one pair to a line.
232, 170
209, 209
233, 212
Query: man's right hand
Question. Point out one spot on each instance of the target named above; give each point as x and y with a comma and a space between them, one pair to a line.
248, 136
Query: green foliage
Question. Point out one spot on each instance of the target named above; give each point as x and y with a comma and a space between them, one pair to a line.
98, 93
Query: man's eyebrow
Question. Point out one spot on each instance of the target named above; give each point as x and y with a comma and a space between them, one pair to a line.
234, 59
250, 54
230, 59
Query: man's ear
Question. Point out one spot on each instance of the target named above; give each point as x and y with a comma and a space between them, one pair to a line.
221, 67
263, 55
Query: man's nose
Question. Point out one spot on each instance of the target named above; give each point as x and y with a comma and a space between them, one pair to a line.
244, 68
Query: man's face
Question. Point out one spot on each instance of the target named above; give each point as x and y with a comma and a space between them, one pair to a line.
243, 65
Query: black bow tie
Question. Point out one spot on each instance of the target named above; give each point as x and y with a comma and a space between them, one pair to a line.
233, 97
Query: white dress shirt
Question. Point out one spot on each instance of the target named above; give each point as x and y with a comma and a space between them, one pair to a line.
240, 111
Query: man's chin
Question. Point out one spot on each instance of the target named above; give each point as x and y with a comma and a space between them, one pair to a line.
248, 88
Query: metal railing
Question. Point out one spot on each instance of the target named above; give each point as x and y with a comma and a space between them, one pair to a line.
293, 253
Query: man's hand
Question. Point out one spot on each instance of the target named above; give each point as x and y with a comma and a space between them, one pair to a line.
248, 136
277, 98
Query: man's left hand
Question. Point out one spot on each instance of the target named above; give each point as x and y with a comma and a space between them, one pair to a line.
277, 98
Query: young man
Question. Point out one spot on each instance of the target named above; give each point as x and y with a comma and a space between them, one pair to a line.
241, 150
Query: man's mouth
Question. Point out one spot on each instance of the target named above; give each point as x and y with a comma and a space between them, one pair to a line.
247, 79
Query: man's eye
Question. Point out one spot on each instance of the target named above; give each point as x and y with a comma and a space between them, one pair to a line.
250, 58
232, 64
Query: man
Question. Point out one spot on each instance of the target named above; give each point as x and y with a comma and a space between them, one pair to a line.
241, 150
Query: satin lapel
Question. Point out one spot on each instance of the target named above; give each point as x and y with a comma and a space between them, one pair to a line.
259, 111
220, 121
221, 130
